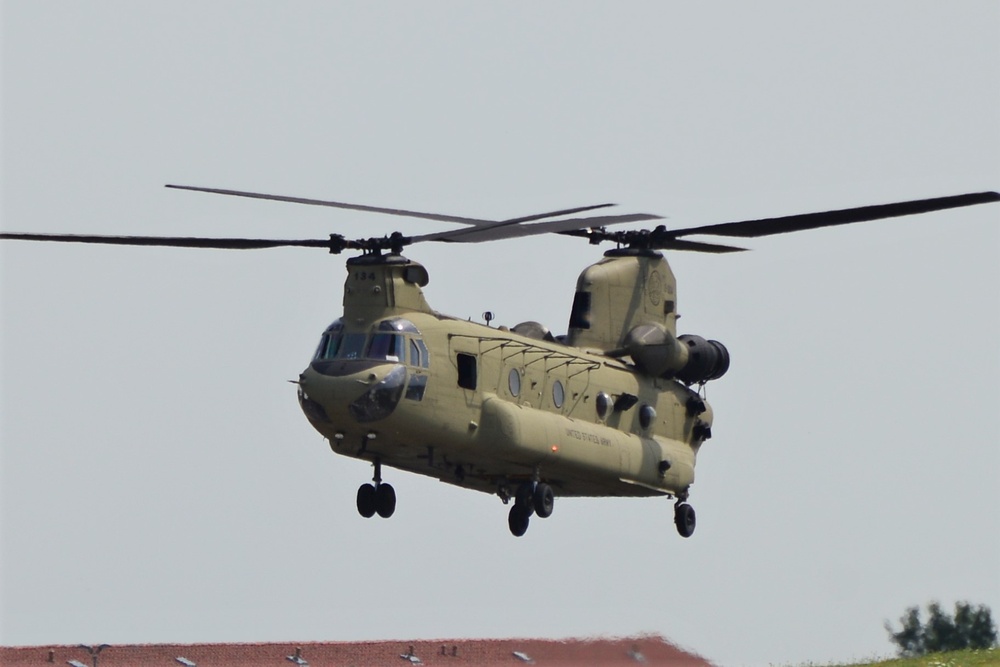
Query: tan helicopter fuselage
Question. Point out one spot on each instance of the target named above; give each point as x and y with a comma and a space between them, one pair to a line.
488, 408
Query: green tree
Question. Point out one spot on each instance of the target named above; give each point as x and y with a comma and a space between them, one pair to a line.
970, 627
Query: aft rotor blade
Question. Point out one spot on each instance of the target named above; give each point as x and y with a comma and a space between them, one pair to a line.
388, 211
175, 241
697, 246
657, 239
794, 223
508, 230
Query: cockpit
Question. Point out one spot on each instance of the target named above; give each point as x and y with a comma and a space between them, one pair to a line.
395, 343
395, 340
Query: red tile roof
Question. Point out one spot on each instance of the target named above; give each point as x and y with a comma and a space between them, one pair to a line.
628, 652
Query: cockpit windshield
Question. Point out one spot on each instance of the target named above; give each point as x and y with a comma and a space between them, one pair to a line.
353, 346
391, 347
396, 340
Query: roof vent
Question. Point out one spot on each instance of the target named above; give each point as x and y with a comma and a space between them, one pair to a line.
185, 661
523, 657
297, 658
414, 660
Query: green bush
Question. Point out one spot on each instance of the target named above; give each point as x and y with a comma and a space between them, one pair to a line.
970, 628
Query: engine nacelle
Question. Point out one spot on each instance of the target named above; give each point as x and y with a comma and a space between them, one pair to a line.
707, 360
688, 358
655, 350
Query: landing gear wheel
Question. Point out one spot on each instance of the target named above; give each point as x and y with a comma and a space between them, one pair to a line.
543, 500
385, 500
366, 501
684, 519
518, 519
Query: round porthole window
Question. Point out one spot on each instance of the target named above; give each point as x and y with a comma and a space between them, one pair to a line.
514, 382
603, 405
558, 394
646, 415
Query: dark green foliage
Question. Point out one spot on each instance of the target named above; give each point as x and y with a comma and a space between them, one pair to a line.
970, 627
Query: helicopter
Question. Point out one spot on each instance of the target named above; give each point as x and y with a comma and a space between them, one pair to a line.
615, 407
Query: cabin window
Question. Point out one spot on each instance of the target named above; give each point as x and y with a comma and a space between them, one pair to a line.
353, 346
558, 394
466, 370
514, 382
646, 416
603, 402
579, 317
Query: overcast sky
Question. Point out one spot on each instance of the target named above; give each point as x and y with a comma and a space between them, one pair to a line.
159, 483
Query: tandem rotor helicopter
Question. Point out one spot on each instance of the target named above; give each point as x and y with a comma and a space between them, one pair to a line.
615, 407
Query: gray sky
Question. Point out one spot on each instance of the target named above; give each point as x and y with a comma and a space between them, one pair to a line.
158, 482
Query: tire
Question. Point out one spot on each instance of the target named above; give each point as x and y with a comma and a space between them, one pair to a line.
385, 500
684, 519
543, 500
517, 520
366, 501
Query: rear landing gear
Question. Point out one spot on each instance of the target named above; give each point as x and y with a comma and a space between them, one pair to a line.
366, 500
531, 498
377, 498
385, 500
684, 519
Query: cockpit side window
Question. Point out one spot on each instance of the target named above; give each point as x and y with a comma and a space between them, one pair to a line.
418, 353
328, 345
330, 342
324, 343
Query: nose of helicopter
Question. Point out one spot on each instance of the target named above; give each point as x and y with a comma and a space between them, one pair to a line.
350, 392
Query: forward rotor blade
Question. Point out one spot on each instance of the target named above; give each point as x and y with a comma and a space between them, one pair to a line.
508, 230
794, 223
388, 211
174, 241
565, 211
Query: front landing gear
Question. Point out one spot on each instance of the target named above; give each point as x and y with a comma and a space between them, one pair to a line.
531, 498
518, 519
684, 519
377, 498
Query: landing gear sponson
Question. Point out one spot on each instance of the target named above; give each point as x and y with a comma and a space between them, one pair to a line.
537, 498
531, 498
377, 498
